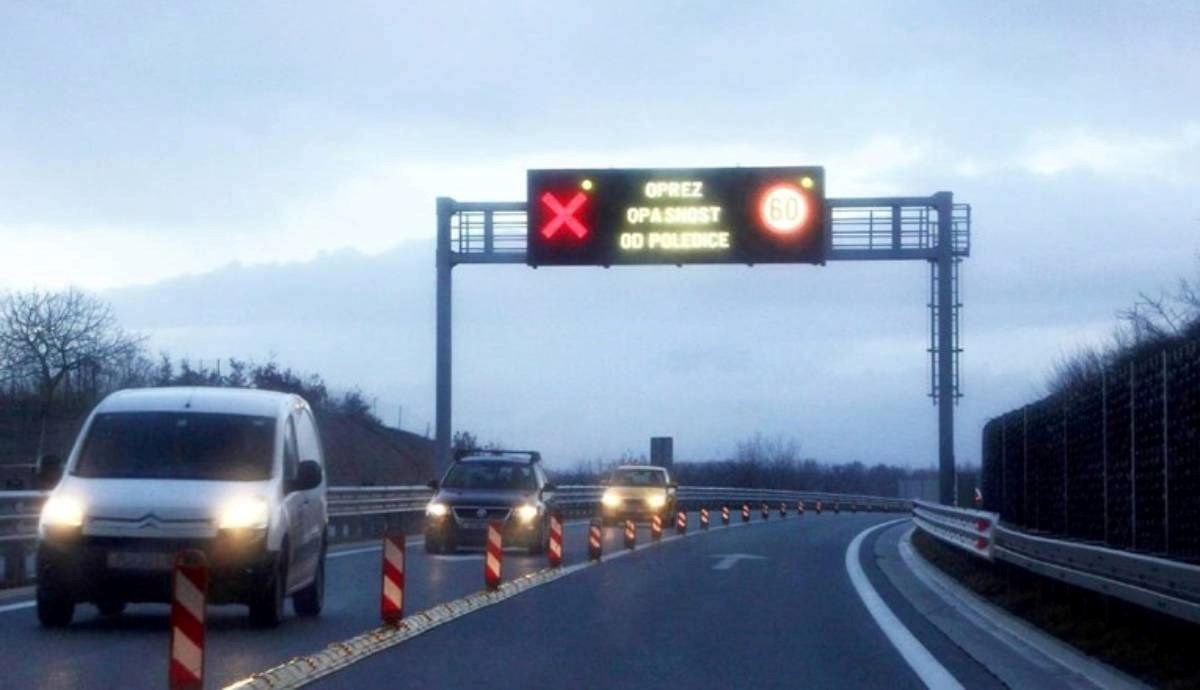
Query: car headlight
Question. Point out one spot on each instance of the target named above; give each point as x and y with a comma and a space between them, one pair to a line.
527, 512
436, 509
657, 501
610, 499
244, 512
62, 511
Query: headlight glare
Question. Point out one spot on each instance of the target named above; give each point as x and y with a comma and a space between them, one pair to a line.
435, 509
656, 501
527, 513
62, 511
610, 499
245, 512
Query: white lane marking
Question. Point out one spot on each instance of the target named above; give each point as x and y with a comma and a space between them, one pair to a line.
728, 560
17, 606
928, 669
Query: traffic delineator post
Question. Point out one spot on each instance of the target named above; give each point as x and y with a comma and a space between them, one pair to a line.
630, 535
656, 528
554, 551
725, 515
703, 518
745, 512
800, 508
595, 540
189, 598
391, 601
818, 507
495, 555
837, 507
782, 509
766, 511
680, 522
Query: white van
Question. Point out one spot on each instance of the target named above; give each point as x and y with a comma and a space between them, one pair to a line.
237, 474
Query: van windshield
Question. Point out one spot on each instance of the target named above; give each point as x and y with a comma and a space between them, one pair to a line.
174, 445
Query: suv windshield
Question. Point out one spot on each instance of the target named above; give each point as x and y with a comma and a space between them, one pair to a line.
638, 478
175, 445
491, 475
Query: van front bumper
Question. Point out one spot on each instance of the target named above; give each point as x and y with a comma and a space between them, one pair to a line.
89, 569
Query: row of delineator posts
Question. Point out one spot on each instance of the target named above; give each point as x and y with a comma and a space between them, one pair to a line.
189, 579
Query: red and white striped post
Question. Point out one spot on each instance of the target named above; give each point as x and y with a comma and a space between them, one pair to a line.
818, 507
837, 507
495, 555
680, 522
745, 512
554, 553
977, 499
630, 535
782, 509
766, 511
703, 518
725, 515
391, 601
656, 528
595, 540
189, 594
800, 508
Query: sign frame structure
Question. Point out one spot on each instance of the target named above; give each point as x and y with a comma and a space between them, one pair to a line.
675, 216
933, 229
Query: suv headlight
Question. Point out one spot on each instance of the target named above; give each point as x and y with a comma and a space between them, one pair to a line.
527, 512
62, 511
610, 498
435, 509
244, 512
657, 500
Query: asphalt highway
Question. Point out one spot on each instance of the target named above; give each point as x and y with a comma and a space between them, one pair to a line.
770, 605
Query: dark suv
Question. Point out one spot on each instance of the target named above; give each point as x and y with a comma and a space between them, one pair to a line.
481, 486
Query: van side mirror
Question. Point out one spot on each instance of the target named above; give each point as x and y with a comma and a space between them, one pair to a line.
308, 476
432, 484
49, 471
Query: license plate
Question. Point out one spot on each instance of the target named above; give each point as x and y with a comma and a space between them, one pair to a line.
139, 560
475, 524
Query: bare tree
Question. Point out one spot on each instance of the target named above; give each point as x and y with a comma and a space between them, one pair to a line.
46, 337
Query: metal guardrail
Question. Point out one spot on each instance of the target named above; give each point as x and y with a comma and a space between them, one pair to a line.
1170, 587
969, 530
357, 513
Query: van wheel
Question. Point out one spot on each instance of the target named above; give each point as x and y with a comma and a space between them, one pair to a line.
54, 609
266, 608
309, 601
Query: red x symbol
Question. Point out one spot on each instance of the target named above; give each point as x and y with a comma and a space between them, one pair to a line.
564, 215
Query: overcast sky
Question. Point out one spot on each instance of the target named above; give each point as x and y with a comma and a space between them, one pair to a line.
252, 179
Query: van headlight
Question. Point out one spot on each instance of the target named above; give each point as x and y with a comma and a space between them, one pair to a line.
610, 498
246, 512
527, 513
657, 501
437, 510
62, 511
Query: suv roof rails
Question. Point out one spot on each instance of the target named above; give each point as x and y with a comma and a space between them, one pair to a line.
461, 453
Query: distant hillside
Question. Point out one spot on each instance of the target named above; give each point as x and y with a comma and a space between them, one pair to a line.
357, 452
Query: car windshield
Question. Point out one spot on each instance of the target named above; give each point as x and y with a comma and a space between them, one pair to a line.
491, 475
638, 478
175, 445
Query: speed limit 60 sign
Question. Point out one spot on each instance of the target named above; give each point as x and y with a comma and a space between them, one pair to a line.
676, 216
